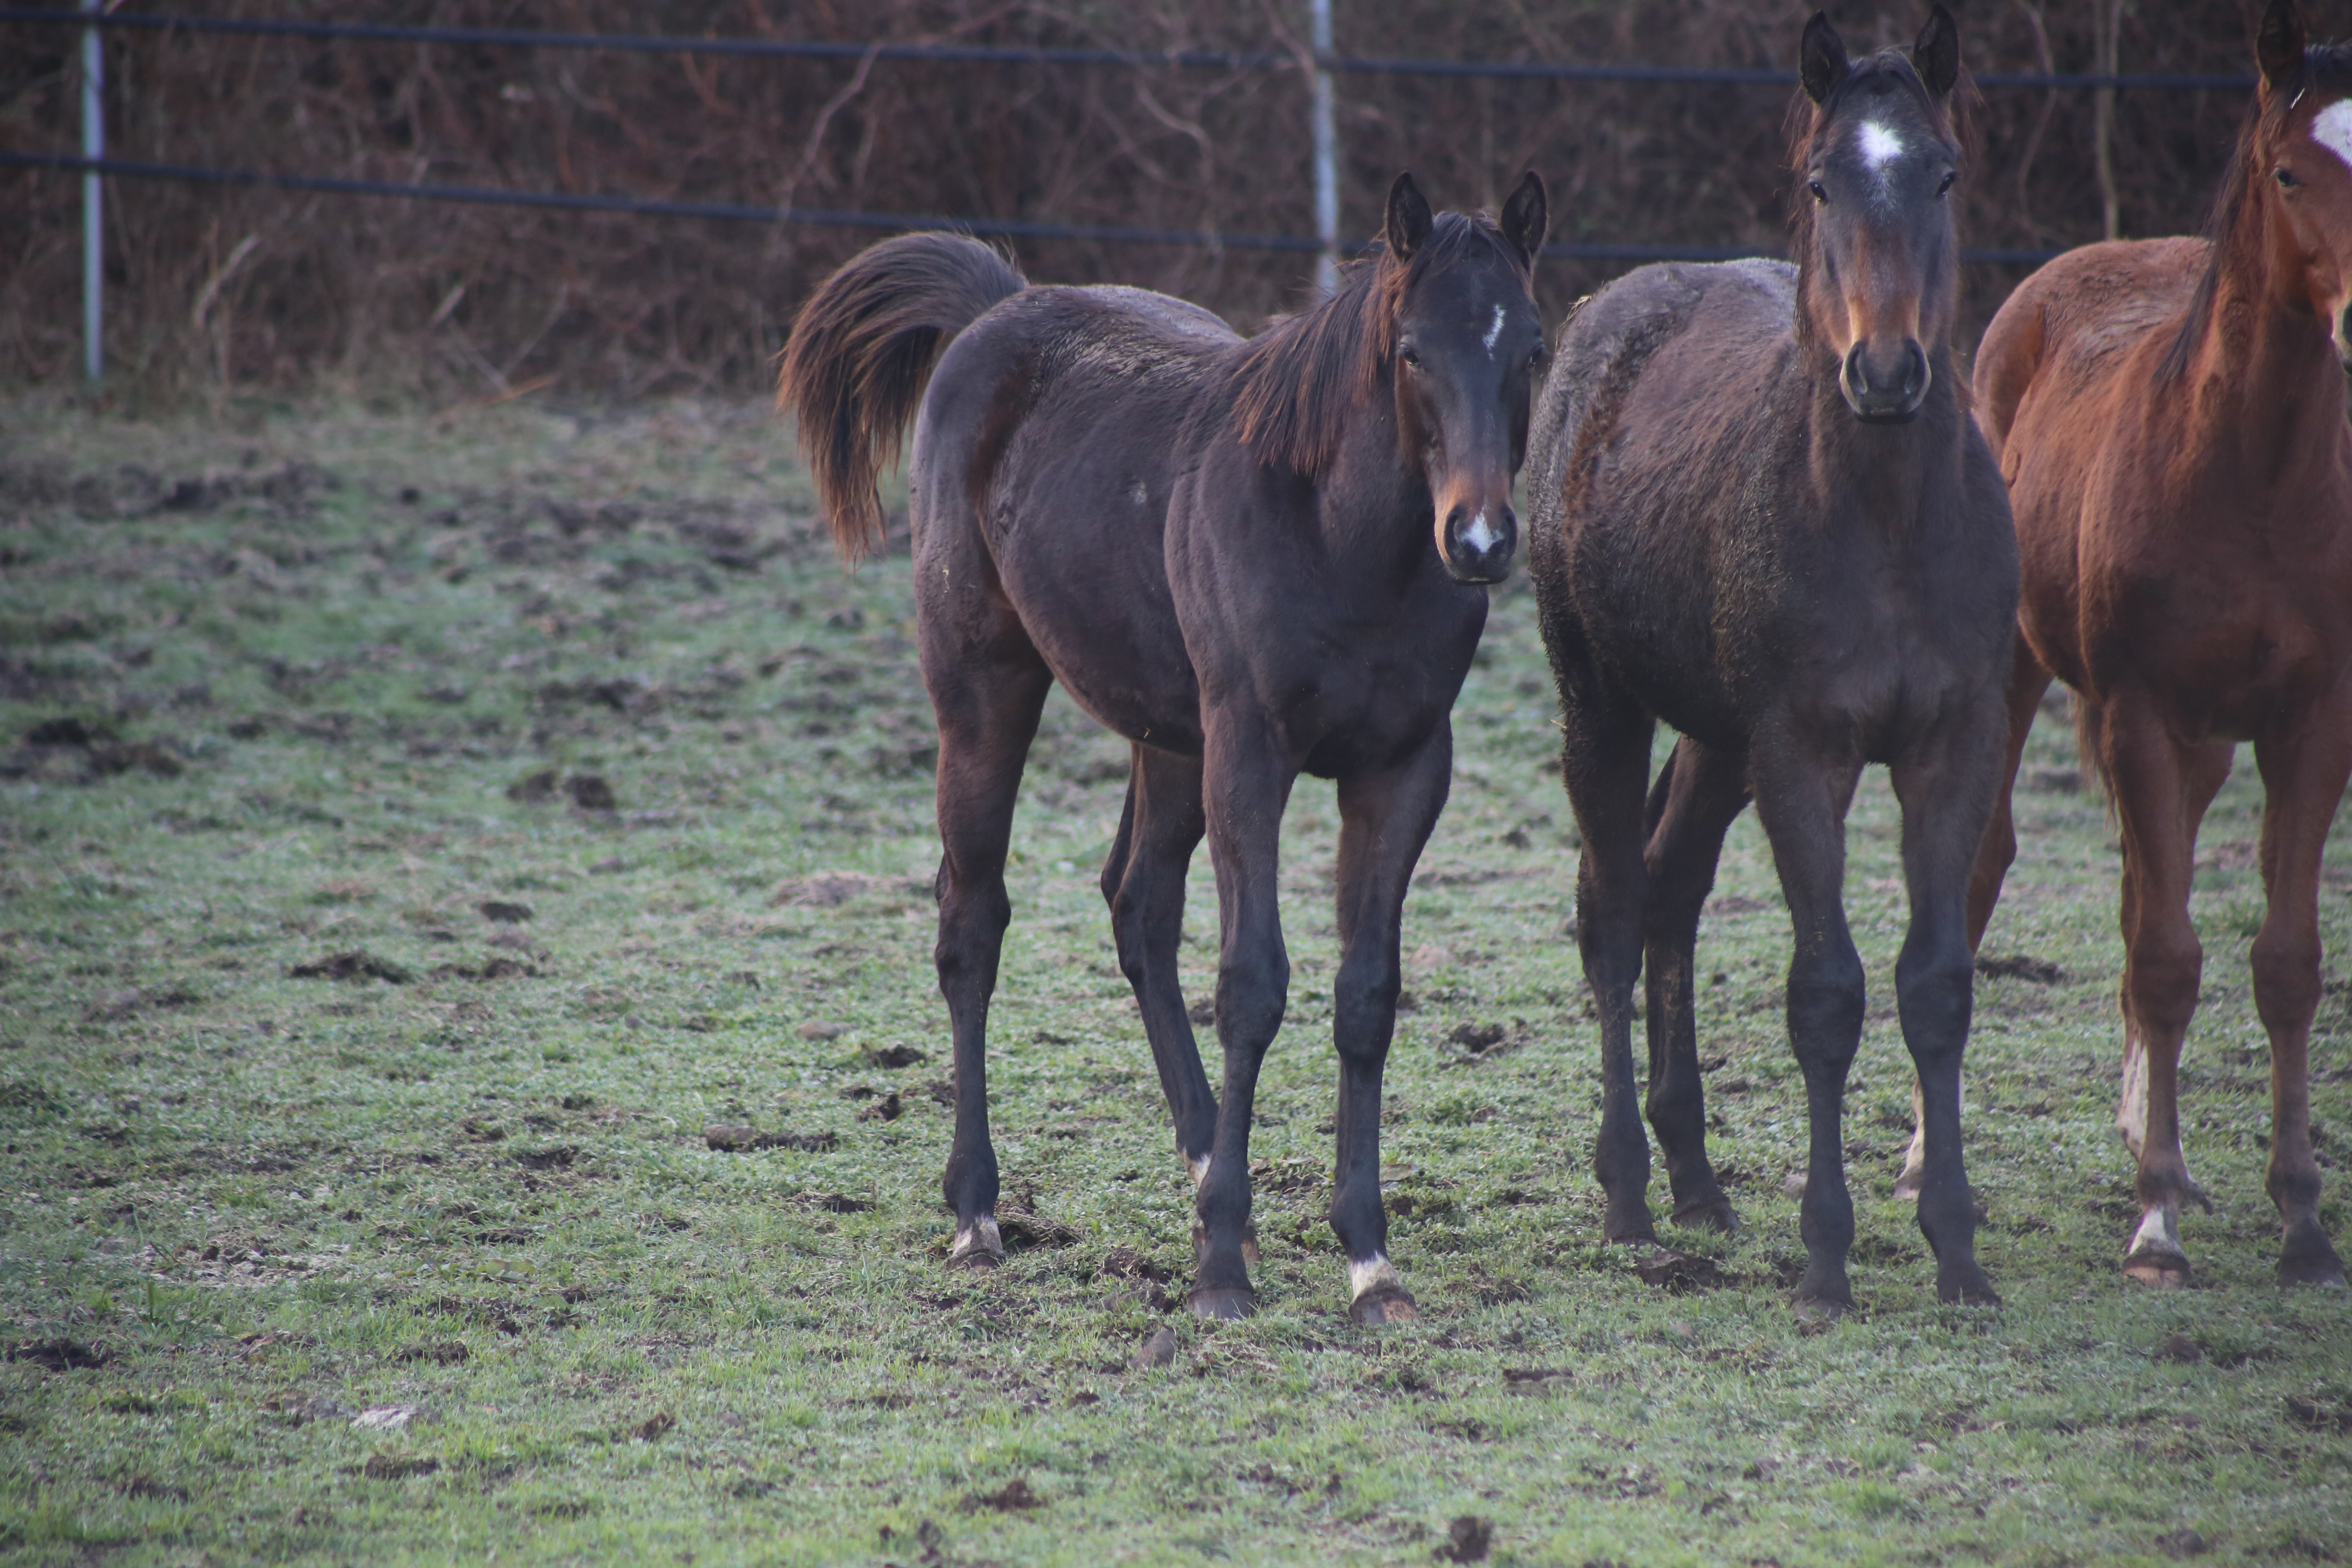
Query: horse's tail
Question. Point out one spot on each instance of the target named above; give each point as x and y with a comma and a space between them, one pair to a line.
2091, 748
860, 354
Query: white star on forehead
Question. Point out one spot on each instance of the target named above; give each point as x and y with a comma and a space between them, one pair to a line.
1880, 146
2332, 129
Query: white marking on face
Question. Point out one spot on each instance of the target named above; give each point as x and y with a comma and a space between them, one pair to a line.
1494, 330
1880, 146
1478, 536
2332, 129
1371, 1274
1139, 494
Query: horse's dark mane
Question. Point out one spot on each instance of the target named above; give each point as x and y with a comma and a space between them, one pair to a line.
2326, 69
1300, 379
1953, 120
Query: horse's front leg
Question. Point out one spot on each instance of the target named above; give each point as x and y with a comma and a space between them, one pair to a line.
2304, 774
1385, 820
1802, 799
1947, 793
1245, 783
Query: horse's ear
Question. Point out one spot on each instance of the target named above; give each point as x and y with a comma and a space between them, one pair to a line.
1526, 216
1821, 58
2279, 44
1935, 56
1410, 219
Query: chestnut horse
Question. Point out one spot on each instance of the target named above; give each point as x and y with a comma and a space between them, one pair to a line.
1760, 512
2170, 416
1253, 559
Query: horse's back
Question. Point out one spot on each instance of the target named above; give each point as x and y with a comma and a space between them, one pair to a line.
1611, 341
2084, 333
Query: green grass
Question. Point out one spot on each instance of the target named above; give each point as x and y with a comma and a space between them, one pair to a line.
313, 652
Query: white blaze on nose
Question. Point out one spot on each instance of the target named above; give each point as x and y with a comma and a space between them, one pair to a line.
1478, 536
1494, 330
2332, 129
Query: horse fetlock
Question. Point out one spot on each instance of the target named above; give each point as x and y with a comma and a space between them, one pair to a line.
977, 1244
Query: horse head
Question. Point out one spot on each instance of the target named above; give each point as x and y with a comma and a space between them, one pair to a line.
1875, 222
1469, 347
2302, 155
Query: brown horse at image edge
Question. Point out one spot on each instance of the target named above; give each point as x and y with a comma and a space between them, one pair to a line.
2169, 415
1252, 559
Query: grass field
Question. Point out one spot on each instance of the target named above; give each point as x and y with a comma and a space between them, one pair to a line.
419, 832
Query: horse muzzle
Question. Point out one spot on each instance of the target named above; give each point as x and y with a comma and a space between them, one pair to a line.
1887, 392
1476, 543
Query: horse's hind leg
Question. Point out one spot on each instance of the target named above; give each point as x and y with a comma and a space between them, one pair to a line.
1605, 761
2161, 790
1385, 820
988, 692
1143, 881
2302, 779
1801, 801
1995, 853
1692, 805
1947, 793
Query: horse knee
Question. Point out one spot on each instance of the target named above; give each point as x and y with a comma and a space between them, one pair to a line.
2286, 977
1363, 1010
2160, 982
1250, 996
1935, 996
1826, 997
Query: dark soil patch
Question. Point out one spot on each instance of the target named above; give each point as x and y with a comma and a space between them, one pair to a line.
355, 965
59, 1355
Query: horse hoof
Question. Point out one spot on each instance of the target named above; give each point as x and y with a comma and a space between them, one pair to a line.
1221, 1305
1714, 1214
2311, 1263
977, 1246
2158, 1271
1814, 1313
1384, 1304
1971, 1289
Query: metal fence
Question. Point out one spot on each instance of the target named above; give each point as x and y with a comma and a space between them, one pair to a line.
1321, 63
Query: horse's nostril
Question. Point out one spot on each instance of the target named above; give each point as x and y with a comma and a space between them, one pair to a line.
1857, 371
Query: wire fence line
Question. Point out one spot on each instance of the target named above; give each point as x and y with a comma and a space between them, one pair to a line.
1000, 54
1318, 66
729, 212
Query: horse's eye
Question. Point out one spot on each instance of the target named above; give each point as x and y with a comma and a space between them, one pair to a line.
1411, 360
1820, 195
1945, 187
1536, 356
2286, 179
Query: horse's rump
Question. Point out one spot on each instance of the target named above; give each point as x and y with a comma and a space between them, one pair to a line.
1609, 343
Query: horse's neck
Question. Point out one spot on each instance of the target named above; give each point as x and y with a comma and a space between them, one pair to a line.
1897, 476
2266, 387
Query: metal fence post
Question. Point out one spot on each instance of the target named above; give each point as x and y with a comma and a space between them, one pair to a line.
93, 196
1327, 151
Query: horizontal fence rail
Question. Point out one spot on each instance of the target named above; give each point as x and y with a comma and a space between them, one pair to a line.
1000, 54
1320, 64
1003, 228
